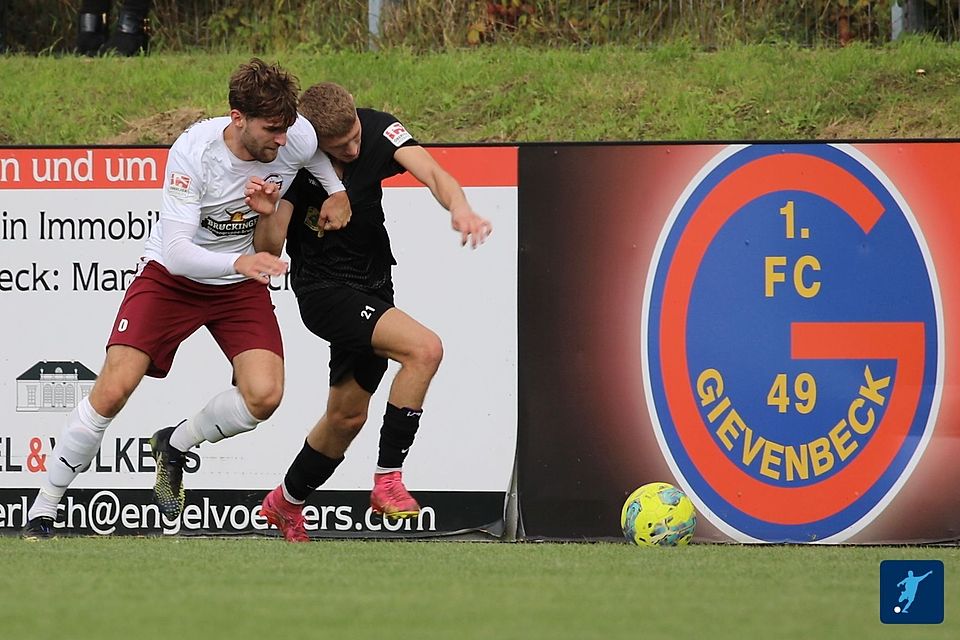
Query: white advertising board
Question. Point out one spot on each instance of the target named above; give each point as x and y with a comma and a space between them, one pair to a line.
69, 245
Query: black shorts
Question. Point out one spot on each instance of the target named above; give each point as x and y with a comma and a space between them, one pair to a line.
346, 318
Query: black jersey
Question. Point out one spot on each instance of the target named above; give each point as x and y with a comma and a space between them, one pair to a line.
359, 254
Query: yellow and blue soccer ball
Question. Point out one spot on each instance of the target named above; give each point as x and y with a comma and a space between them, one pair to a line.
658, 515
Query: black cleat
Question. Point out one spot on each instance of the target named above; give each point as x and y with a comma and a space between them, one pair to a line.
39, 528
168, 490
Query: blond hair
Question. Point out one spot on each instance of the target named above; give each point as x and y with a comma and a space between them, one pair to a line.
330, 108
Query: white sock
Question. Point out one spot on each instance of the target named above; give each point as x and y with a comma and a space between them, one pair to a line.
381, 470
224, 416
289, 498
76, 448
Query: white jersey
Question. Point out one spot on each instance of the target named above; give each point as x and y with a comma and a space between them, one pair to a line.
203, 186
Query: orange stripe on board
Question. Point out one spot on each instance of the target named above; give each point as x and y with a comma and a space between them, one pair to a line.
62, 168
471, 166
142, 168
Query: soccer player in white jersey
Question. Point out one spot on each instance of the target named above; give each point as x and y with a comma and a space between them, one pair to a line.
200, 269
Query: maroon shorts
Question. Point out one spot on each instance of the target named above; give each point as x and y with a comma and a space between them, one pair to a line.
161, 310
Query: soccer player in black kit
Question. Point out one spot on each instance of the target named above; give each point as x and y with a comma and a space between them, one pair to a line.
342, 281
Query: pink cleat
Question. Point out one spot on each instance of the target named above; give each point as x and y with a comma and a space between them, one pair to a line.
284, 515
391, 498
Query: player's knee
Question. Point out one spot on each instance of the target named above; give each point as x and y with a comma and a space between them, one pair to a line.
428, 352
109, 398
347, 423
109, 405
263, 398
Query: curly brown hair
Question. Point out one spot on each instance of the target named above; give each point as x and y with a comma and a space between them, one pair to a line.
330, 108
261, 90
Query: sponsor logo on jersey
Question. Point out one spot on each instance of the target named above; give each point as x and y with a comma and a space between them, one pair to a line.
235, 225
396, 134
312, 221
275, 178
179, 184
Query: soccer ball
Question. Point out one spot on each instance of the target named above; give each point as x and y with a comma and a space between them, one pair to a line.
658, 514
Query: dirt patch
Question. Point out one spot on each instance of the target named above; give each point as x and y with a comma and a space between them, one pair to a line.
161, 128
927, 121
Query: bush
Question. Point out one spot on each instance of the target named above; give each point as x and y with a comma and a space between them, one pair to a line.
49, 26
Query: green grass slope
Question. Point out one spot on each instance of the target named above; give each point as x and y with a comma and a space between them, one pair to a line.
673, 92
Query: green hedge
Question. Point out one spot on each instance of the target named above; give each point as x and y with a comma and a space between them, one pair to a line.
49, 26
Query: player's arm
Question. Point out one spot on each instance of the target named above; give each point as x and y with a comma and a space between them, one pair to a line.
335, 211
271, 232
180, 217
183, 257
447, 191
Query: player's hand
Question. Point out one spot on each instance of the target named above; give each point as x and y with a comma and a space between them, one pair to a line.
472, 228
260, 266
261, 196
335, 212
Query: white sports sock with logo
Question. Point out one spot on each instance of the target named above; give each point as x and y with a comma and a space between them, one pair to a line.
76, 448
224, 416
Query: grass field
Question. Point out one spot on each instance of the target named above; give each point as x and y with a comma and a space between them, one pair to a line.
511, 94
186, 588
182, 588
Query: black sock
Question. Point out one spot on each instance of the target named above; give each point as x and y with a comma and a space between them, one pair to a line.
399, 428
309, 470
